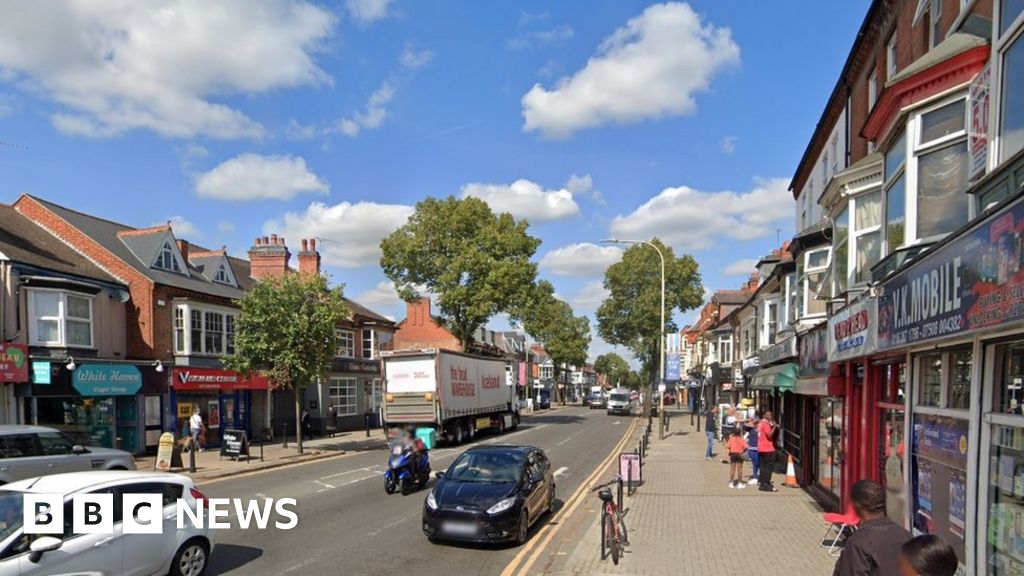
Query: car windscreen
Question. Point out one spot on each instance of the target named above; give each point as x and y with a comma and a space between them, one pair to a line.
487, 467
620, 397
11, 509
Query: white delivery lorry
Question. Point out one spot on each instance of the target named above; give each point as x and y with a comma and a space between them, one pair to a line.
456, 394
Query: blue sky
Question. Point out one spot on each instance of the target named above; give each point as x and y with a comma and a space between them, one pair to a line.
590, 119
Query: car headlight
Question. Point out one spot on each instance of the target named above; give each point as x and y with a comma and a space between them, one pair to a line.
502, 505
431, 501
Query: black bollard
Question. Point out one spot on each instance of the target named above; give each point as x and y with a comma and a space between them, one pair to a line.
366, 421
284, 433
261, 451
630, 467
192, 459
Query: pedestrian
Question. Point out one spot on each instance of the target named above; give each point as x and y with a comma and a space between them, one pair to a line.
737, 446
730, 422
766, 430
195, 426
711, 428
307, 428
875, 548
755, 460
928, 555
333, 419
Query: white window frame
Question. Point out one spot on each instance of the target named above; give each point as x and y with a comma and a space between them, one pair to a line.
887, 185
368, 352
223, 276
725, 343
872, 89
1000, 45
855, 234
749, 334
184, 339
935, 36
916, 149
343, 394
61, 319
805, 281
167, 251
891, 65
792, 312
341, 351
769, 334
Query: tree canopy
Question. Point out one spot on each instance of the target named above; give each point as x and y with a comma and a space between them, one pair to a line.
476, 263
285, 331
630, 315
552, 322
613, 367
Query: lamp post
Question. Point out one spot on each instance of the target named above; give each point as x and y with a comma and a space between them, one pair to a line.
661, 329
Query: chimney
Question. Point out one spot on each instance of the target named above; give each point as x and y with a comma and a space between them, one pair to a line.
183, 248
417, 312
268, 258
309, 258
752, 283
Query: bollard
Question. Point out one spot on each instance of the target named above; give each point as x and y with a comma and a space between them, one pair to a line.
641, 463
366, 421
661, 425
620, 485
284, 433
192, 459
261, 451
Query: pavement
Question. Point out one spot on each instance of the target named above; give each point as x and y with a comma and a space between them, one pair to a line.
685, 519
348, 524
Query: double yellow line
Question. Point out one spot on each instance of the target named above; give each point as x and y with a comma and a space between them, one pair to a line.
533, 549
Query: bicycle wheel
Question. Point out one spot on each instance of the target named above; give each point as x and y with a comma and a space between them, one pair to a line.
616, 547
623, 535
606, 527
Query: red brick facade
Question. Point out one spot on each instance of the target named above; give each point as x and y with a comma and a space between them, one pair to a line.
421, 330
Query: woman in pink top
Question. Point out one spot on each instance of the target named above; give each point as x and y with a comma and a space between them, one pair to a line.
766, 430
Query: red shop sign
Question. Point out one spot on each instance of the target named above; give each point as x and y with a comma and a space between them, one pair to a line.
13, 362
214, 379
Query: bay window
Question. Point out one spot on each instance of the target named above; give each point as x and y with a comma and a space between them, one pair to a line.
1010, 49
771, 322
60, 319
841, 251
941, 154
792, 299
866, 239
815, 269
346, 344
203, 330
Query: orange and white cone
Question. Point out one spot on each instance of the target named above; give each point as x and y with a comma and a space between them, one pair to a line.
791, 474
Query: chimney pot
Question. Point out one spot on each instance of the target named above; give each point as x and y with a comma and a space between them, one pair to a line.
257, 242
312, 244
280, 240
273, 239
266, 241
305, 245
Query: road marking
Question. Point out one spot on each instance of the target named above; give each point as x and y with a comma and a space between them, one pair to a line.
387, 527
616, 423
561, 471
524, 560
564, 441
353, 471
325, 485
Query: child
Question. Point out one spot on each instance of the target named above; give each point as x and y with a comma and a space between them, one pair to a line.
737, 446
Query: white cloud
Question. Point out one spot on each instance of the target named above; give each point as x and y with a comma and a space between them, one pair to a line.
352, 232
729, 144
648, 69
182, 227
525, 199
579, 184
298, 131
583, 259
383, 295
368, 11
549, 36
412, 58
742, 267
692, 220
6, 105
225, 226
256, 177
372, 116
116, 65
589, 297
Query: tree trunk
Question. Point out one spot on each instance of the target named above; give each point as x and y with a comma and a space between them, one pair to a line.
298, 416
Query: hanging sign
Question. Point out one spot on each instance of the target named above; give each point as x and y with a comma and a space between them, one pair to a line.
106, 380
13, 362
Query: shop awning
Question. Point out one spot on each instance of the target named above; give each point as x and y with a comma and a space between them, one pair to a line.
781, 376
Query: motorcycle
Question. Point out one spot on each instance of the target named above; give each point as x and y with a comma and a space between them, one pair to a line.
401, 472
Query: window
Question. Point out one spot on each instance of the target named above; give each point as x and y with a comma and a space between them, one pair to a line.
935, 34
1009, 12
930, 390
346, 344
890, 57
222, 275
208, 331
60, 319
841, 248
55, 443
18, 446
942, 170
166, 259
824, 170
1011, 51
895, 194
815, 268
872, 89
771, 321
867, 234
725, 350
792, 299
342, 392
944, 378
369, 349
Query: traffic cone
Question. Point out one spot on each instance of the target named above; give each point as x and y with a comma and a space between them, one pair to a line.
791, 474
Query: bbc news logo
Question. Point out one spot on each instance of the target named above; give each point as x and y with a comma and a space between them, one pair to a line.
147, 514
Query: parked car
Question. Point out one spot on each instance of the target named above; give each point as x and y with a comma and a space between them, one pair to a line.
490, 494
178, 552
29, 451
597, 401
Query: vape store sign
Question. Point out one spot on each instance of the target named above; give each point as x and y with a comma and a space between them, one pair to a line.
974, 282
852, 331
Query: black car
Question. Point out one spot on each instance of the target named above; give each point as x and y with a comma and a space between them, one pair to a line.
490, 494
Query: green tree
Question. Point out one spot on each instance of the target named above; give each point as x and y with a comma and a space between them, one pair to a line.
285, 331
630, 314
476, 262
550, 321
614, 367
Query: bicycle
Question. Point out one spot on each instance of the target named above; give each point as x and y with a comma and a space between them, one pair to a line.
613, 530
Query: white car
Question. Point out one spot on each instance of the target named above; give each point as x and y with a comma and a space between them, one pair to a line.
184, 552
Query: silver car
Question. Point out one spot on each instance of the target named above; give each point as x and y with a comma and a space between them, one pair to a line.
30, 451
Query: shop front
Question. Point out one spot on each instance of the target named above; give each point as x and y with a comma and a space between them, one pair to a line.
226, 400
14, 365
354, 391
822, 409
957, 317
115, 405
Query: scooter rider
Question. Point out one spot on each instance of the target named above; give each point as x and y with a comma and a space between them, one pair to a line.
417, 445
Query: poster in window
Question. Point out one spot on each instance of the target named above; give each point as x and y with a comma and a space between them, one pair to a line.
152, 410
213, 414
924, 486
1007, 464
957, 503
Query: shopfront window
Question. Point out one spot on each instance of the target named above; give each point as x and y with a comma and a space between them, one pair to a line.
893, 462
1005, 487
944, 378
930, 389
1008, 381
830, 444
939, 475
86, 421
342, 393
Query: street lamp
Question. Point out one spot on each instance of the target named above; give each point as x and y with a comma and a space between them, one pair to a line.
661, 329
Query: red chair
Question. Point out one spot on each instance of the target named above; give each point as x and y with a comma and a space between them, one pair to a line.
841, 523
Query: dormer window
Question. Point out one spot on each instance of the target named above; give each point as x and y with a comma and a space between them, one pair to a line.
165, 259
222, 275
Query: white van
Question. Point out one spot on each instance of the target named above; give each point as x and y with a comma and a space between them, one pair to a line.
618, 401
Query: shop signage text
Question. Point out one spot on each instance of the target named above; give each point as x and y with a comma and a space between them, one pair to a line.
977, 123
813, 359
13, 362
213, 379
41, 372
778, 351
974, 282
852, 331
359, 366
106, 380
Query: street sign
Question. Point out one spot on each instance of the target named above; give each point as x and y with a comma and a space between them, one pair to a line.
629, 468
234, 444
661, 387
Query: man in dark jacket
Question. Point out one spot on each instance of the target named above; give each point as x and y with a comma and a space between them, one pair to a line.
711, 426
874, 549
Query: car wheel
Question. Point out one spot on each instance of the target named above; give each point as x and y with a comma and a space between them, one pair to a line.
390, 486
191, 559
117, 468
523, 532
501, 424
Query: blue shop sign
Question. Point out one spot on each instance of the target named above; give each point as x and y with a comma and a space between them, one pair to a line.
106, 380
672, 366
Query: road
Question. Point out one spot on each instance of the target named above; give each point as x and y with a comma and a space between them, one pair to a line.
347, 524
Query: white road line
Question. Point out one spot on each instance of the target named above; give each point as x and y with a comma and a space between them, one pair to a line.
347, 472
387, 527
561, 471
616, 423
564, 441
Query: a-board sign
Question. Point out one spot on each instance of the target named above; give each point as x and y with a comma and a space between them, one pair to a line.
629, 468
164, 452
234, 444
